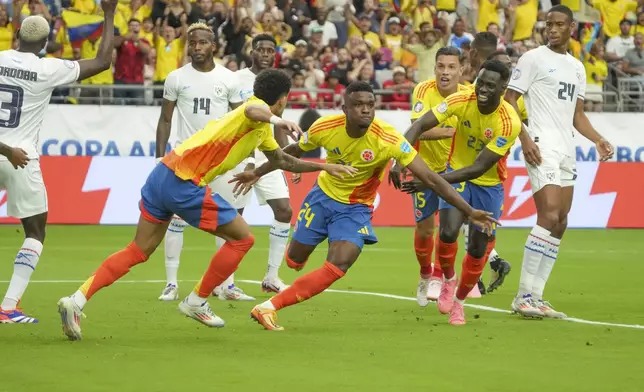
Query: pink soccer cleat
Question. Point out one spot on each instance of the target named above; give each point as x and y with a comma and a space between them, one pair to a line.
457, 314
446, 299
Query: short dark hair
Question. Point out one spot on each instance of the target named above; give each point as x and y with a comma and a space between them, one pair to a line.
563, 10
497, 53
133, 20
271, 85
497, 66
262, 37
449, 51
484, 41
358, 87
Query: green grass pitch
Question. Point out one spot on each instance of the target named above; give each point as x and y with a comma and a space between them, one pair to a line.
336, 341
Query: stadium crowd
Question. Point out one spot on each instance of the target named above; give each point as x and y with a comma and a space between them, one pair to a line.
326, 44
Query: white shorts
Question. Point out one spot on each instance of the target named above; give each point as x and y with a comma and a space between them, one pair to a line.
26, 193
270, 187
555, 169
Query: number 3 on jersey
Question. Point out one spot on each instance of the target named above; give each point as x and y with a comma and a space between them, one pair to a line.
566, 89
201, 104
11, 105
306, 214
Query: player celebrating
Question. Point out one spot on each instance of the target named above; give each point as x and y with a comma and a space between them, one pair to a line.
178, 185
487, 128
200, 91
434, 153
271, 189
26, 84
341, 210
554, 84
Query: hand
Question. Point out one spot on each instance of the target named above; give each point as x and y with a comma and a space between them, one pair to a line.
605, 150
108, 5
484, 220
531, 152
296, 178
339, 171
243, 181
18, 158
395, 175
291, 128
413, 186
249, 167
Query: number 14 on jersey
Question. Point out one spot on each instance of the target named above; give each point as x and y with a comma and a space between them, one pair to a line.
202, 104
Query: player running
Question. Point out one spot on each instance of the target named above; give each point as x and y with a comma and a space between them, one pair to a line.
271, 189
428, 94
200, 91
179, 185
554, 84
487, 128
341, 210
26, 84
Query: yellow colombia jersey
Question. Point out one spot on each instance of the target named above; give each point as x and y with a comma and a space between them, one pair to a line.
369, 154
433, 152
523, 113
220, 146
496, 131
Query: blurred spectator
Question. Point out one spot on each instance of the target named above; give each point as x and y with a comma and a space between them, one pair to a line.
169, 52
213, 13
423, 14
329, 100
634, 58
488, 14
329, 31
494, 28
147, 30
131, 55
89, 50
617, 46
596, 74
6, 30
402, 87
361, 27
459, 36
639, 27
391, 36
336, 15
342, 67
316, 43
232, 65
173, 13
525, 18
299, 99
313, 77
297, 15
612, 12
284, 33
425, 51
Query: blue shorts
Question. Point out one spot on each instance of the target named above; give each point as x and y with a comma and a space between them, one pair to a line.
425, 204
164, 194
322, 217
486, 198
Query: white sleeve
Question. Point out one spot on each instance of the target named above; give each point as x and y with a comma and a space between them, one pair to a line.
524, 74
60, 72
234, 93
611, 46
333, 32
170, 88
582, 81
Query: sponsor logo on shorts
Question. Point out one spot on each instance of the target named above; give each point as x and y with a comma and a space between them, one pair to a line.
405, 147
516, 74
418, 107
500, 142
488, 133
442, 108
367, 155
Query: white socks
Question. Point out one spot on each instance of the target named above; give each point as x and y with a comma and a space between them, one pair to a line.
23, 266
268, 305
79, 298
173, 246
278, 239
195, 300
539, 257
493, 255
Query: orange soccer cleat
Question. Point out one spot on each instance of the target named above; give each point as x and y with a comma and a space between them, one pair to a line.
266, 317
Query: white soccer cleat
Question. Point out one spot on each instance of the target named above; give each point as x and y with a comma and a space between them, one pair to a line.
170, 293
273, 285
526, 306
548, 310
70, 316
234, 294
201, 313
421, 292
434, 289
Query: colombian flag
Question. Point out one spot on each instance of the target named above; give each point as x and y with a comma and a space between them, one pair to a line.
82, 26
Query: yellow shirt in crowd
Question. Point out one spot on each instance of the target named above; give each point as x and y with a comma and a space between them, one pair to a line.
168, 57
89, 50
612, 13
526, 17
6, 36
487, 14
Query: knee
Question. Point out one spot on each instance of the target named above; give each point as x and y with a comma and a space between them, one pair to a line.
295, 260
424, 228
283, 213
560, 228
549, 220
343, 264
477, 248
244, 244
448, 234
35, 231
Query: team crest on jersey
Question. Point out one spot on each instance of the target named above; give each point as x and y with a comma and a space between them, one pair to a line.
488, 133
418, 213
405, 147
69, 64
442, 108
500, 142
367, 155
219, 91
516, 74
418, 107
579, 77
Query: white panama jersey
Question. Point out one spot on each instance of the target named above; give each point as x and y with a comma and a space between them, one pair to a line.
26, 84
246, 80
551, 83
200, 96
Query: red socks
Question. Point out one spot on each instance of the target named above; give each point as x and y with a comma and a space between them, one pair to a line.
437, 272
113, 268
424, 246
490, 248
292, 264
308, 286
472, 270
223, 264
446, 255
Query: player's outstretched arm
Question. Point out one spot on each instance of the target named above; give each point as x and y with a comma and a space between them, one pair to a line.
484, 161
438, 134
103, 59
164, 126
530, 149
262, 113
582, 125
290, 163
443, 189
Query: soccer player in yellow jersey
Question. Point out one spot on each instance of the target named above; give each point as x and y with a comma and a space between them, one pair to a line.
434, 153
487, 128
341, 210
178, 185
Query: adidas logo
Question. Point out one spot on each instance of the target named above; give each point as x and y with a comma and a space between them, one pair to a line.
336, 151
364, 230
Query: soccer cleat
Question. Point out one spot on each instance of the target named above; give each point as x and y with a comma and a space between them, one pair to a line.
70, 316
201, 313
16, 316
526, 306
234, 294
421, 292
457, 314
170, 293
548, 310
273, 285
266, 317
481, 286
500, 269
434, 289
446, 298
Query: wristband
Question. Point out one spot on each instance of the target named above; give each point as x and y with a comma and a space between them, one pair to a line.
274, 120
250, 161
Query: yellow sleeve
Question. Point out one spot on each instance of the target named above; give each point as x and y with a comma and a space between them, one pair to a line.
522, 109
268, 142
418, 107
309, 142
506, 136
450, 106
402, 151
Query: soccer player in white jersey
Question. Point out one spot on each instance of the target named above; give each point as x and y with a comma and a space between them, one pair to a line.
271, 189
26, 84
553, 84
201, 92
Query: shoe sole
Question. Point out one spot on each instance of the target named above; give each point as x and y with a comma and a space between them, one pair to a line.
67, 330
169, 299
528, 316
188, 315
504, 271
270, 289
